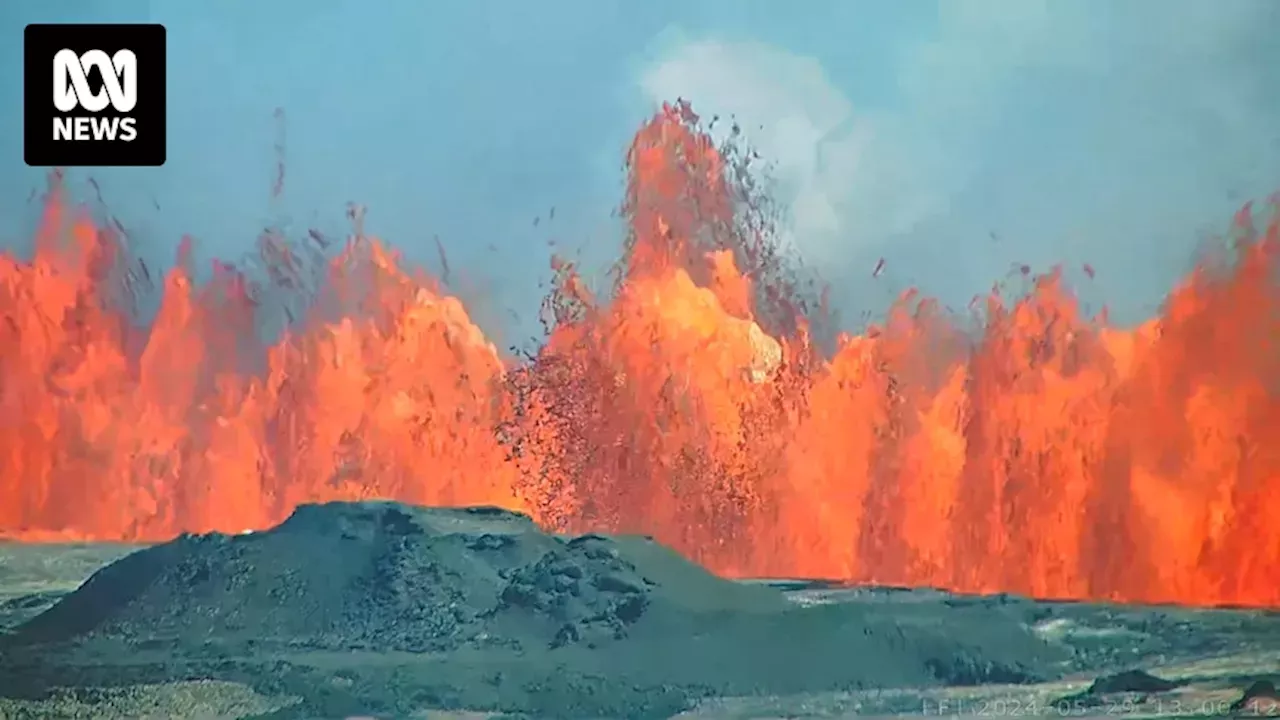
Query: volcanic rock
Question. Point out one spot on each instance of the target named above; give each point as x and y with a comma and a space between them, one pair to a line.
387, 576
1136, 681
490, 611
1262, 693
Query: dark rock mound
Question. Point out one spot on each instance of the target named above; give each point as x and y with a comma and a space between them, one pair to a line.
478, 608
385, 576
1261, 696
1128, 682
1137, 681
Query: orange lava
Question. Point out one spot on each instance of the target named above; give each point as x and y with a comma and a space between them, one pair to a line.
1026, 449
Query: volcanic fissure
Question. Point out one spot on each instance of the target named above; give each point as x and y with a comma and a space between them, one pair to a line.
1024, 448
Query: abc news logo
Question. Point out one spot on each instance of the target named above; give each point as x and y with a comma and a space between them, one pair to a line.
71, 91
107, 105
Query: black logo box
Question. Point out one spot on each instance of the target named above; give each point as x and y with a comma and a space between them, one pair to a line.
41, 43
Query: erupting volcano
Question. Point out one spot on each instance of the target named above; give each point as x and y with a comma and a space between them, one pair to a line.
1027, 448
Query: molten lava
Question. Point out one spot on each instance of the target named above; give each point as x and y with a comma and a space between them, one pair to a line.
1030, 449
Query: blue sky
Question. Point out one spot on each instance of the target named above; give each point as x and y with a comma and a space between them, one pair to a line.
952, 138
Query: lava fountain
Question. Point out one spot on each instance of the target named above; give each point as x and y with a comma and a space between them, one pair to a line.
1028, 448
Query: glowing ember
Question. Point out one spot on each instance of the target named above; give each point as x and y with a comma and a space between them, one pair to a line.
1036, 451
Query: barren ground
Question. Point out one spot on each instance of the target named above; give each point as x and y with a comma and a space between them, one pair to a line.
1211, 655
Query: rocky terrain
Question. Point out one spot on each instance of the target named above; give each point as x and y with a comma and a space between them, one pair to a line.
391, 610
